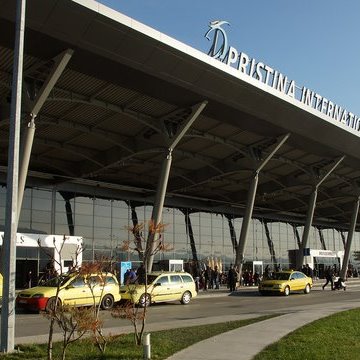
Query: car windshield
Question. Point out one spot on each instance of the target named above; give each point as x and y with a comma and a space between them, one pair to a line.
56, 281
281, 276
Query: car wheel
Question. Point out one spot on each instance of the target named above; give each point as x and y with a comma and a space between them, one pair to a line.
287, 291
145, 300
307, 289
186, 297
51, 304
107, 302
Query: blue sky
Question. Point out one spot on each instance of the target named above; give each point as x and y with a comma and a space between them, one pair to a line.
315, 43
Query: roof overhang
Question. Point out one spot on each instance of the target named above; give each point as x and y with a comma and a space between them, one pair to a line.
123, 86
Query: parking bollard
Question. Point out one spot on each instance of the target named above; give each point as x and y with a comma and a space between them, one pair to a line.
147, 347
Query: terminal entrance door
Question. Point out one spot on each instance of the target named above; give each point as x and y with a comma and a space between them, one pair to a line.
26, 273
258, 267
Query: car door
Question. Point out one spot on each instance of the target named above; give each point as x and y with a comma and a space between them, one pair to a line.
293, 282
176, 287
96, 285
111, 286
301, 280
296, 281
76, 293
160, 288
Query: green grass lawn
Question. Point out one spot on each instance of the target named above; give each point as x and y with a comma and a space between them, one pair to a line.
336, 337
163, 344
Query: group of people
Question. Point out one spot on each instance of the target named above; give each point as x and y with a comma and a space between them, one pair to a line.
207, 277
210, 278
308, 271
250, 278
135, 277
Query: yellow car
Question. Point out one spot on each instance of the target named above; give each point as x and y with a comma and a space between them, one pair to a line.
74, 290
162, 286
284, 282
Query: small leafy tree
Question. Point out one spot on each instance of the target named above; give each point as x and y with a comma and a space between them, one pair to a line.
131, 311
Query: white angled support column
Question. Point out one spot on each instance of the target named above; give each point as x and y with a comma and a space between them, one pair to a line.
246, 222
310, 215
58, 68
309, 218
157, 210
24, 161
350, 236
250, 207
163, 181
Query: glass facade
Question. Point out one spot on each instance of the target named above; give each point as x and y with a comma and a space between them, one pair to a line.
104, 226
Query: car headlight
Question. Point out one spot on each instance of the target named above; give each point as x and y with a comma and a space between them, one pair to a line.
38, 296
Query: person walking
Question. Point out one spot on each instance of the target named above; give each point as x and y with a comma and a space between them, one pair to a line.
141, 274
232, 278
329, 278
215, 278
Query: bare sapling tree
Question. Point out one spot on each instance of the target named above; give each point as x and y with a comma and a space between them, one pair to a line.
96, 276
136, 313
74, 322
69, 320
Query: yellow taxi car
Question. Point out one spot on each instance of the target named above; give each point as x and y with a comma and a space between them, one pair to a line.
161, 287
74, 290
284, 282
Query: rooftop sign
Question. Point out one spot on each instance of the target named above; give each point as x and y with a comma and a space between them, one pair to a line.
221, 50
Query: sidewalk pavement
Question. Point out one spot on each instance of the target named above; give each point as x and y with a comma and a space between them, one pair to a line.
245, 342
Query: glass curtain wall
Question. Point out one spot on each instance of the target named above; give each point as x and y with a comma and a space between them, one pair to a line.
104, 226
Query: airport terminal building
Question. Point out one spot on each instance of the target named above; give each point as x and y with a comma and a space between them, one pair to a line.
123, 124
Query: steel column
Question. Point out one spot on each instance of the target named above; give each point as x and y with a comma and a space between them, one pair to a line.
60, 64
9, 245
350, 236
24, 162
250, 206
246, 221
163, 181
309, 218
310, 214
61, 61
157, 209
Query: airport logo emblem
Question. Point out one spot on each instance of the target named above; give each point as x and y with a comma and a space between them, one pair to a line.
220, 46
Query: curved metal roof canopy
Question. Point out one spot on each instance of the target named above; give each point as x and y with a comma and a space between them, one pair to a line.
106, 124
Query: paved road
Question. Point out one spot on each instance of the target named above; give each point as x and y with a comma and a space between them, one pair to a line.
212, 307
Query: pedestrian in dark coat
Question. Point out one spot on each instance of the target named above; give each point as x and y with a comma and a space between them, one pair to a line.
232, 278
329, 278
